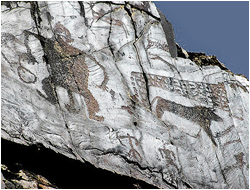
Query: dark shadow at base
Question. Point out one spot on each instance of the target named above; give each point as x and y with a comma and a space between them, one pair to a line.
64, 172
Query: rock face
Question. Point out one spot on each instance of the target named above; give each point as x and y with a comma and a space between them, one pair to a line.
104, 82
24, 180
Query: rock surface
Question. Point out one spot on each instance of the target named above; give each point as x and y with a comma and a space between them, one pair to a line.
24, 180
102, 82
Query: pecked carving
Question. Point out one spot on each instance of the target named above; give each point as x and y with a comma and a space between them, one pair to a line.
69, 70
26, 75
132, 152
212, 95
198, 114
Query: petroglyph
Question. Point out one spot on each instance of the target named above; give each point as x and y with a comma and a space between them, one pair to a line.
69, 69
198, 114
212, 95
169, 156
26, 75
132, 152
140, 92
106, 17
239, 158
105, 83
156, 44
220, 96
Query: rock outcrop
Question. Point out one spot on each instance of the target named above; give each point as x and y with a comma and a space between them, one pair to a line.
105, 83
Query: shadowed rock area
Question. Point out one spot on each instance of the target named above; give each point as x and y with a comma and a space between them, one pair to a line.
62, 172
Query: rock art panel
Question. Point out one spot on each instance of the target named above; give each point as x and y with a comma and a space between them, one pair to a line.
103, 82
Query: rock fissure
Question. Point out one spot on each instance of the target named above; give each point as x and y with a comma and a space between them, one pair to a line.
35, 14
75, 151
127, 9
82, 12
147, 12
110, 31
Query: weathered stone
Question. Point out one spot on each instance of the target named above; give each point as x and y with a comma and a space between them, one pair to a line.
23, 180
104, 82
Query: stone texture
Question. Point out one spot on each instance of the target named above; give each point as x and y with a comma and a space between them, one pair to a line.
23, 179
103, 82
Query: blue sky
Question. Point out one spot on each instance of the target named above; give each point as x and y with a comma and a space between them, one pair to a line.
219, 28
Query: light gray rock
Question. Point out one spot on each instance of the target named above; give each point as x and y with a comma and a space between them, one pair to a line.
102, 82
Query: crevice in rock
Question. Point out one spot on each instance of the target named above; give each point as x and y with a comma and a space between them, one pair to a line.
132, 6
64, 172
82, 12
110, 31
35, 14
169, 184
127, 9
143, 10
43, 44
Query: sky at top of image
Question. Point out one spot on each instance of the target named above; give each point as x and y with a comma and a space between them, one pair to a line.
219, 28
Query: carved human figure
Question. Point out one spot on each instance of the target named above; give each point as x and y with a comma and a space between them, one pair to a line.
132, 152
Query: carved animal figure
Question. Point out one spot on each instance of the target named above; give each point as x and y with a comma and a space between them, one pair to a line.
198, 114
69, 70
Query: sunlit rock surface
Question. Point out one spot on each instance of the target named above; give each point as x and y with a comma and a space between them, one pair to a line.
103, 82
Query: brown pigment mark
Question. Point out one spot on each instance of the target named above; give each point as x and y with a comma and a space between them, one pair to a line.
239, 163
235, 85
169, 156
239, 159
220, 96
157, 44
241, 114
225, 132
132, 151
231, 142
129, 109
108, 19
